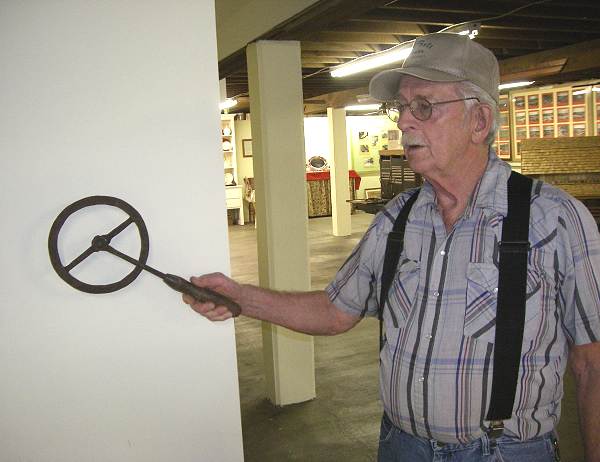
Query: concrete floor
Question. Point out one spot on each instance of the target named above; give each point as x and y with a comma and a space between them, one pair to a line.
342, 423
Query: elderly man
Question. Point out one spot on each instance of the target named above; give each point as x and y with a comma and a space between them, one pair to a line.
438, 356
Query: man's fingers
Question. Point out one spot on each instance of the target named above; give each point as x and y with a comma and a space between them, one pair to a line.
188, 299
220, 313
208, 309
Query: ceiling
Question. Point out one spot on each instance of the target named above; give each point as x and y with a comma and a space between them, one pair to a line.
548, 41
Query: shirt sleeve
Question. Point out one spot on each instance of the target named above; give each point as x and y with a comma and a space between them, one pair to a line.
580, 290
354, 288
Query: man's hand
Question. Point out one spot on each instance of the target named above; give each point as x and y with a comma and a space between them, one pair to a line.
219, 283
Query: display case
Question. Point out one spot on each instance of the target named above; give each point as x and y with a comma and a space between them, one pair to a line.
228, 148
502, 144
552, 112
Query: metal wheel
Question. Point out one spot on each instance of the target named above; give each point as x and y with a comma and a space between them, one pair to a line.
99, 243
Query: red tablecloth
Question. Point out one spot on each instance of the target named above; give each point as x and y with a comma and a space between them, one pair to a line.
314, 176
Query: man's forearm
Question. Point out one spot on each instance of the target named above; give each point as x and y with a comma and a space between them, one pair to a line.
308, 312
585, 363
588, 404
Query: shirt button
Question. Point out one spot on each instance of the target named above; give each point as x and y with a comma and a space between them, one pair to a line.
436, 294
421, 379
429, 336
495, 290
442, 253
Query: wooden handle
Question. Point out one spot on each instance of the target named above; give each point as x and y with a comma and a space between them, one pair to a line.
201, 294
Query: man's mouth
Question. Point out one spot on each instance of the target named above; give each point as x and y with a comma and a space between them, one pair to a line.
411, 143
410, 147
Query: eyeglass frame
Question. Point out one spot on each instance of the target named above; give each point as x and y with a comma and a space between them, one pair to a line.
401, 107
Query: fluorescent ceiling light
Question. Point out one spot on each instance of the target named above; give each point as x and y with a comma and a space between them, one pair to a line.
363, 107
504, 86
228, 103
396, 53
389, 56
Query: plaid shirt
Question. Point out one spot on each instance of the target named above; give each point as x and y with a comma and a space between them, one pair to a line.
436, 367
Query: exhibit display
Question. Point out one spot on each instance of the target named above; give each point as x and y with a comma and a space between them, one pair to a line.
101, 243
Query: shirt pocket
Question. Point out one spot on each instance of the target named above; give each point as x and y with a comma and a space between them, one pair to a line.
482, 300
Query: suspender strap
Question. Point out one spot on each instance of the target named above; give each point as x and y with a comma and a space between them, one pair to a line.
393, 249
512, 286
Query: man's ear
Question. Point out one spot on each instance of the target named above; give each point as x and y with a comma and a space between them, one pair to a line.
481, 123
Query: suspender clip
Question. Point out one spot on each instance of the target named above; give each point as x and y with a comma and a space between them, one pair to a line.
495, 429
396, 236
514, 246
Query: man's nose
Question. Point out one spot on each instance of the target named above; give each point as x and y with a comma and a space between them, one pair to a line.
406, 120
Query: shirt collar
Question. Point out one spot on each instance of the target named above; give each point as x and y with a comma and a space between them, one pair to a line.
490, 192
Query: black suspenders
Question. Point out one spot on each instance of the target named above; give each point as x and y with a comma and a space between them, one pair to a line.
512, 285
393, 249
510, 311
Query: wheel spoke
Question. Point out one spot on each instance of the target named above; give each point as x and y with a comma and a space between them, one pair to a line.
133, 261
90, 250
119, 228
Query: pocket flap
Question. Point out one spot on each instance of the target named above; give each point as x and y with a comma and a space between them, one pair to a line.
483, 274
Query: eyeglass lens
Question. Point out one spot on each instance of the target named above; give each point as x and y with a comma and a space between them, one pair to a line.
419, 107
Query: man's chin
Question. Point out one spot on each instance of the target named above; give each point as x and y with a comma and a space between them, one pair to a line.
416, 161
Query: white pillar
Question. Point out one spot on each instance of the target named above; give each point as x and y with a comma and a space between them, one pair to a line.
340, 193
276, 104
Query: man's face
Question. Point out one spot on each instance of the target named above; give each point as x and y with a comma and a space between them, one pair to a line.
435, 147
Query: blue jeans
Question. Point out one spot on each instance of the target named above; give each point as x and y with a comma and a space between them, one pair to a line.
398, 446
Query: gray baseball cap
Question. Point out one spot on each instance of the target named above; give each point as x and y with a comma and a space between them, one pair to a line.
441, 57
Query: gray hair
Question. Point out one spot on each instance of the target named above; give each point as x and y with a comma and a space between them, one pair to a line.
466, 89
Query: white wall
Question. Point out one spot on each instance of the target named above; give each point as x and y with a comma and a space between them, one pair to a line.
316, 138
112, 98
245, 167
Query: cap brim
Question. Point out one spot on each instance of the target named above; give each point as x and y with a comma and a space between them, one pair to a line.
384, 86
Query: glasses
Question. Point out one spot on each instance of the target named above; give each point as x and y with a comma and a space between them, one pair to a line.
419, 107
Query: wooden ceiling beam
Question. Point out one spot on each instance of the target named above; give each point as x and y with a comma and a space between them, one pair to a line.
316, 65
382, 27
549, 10
313, 109
356, 37
531, 45
487, 32
579, 59
398, 28
333, 46
343, 98
322, 59
330, 54
510, 22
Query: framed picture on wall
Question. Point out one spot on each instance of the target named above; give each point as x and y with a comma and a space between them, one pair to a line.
247, 148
